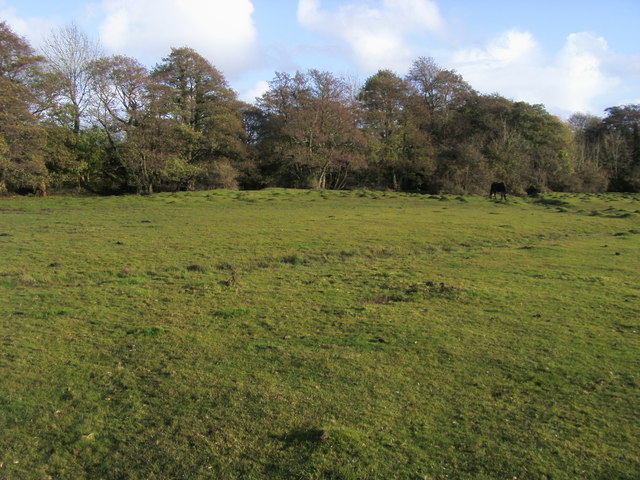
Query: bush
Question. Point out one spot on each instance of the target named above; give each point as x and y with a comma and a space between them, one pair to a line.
225, 175
534, 190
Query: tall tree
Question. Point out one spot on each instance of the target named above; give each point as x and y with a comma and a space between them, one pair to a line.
491, 126
120, 99
119, 84
206, 111
399, 154
548, 142
588, 146
438, 96
587, 130
70, 54
22, 140
313, 129
150, 153
623, 145
441, 93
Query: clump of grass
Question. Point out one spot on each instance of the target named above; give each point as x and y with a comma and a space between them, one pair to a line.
232, 312
26, 279
128, 280
244, 197
294, 259
147, 331
413, 292
194, 267
225, 266
304, 435
52, 312
375, 252
127, 277
380, 299
550, 202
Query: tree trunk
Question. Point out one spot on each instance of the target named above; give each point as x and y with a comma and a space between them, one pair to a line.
322, 181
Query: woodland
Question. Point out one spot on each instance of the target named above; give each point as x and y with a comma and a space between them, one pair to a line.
75, 120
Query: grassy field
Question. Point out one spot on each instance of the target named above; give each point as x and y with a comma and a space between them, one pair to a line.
319, 335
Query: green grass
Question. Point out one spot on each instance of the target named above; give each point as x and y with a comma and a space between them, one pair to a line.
319, 335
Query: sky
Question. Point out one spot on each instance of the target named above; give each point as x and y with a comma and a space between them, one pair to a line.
569, 55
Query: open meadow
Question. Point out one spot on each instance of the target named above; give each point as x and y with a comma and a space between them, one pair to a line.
294, 334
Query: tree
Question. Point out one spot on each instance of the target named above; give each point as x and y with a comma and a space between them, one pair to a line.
70, 55
588, 146
312, 129
437, 98
206, 112
622, 146
547, 145
492, 126
120, 101
514, 142
399, 153
21, 138
83, 162
151, 149
441, 93
120, 86
587, 131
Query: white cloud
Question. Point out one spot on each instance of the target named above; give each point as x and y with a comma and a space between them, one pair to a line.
511, 47
377, 36
513, 65
582, 72
220, 30
256, 91
33, 29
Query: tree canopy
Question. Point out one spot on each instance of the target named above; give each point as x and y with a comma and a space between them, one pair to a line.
22, 138
77, 119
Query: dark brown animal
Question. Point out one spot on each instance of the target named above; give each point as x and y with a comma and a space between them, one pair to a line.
498, 188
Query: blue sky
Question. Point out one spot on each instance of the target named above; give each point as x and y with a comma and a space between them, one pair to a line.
568, 55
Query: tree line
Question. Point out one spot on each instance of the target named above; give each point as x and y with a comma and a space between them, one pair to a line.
74, 119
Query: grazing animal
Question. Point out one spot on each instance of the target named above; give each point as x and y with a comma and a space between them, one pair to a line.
498, 188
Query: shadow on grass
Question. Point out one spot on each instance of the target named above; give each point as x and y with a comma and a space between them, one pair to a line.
303, 436
553, 202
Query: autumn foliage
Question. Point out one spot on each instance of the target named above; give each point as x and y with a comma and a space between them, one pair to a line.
75, 119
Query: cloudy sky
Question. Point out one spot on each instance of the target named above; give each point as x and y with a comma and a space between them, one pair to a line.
570, 55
